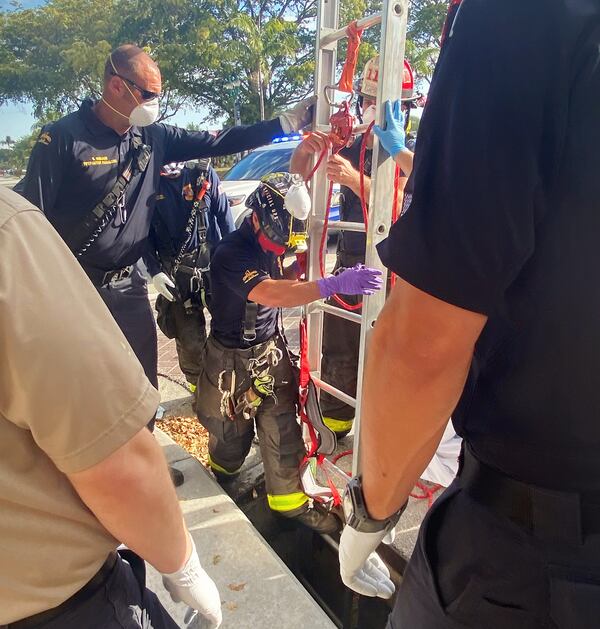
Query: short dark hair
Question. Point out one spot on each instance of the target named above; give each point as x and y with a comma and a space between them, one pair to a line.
126, 59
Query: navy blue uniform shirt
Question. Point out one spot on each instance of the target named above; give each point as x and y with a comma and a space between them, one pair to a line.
238, 265
174, 205
512, 230
76, 160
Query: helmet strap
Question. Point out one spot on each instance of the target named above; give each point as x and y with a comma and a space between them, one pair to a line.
269, 245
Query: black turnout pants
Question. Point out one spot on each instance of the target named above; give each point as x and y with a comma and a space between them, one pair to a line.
188, 327
280, 437
473, 568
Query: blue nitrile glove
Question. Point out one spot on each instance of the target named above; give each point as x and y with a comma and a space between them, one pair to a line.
359, 280
393, 138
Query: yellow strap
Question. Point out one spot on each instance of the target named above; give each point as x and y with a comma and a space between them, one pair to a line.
287, 502
337, 425
222, 470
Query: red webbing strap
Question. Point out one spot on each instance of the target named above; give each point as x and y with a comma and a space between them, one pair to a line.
347, 79
303, 394
314, 440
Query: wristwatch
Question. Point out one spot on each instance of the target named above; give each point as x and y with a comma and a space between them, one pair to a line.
357, 516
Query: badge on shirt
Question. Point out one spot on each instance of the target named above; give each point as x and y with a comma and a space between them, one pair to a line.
249, 275
44, 138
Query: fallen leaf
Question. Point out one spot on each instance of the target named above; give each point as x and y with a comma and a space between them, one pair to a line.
237, 587
216, 559
231, 606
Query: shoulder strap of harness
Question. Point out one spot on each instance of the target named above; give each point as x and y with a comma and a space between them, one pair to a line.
96, 221
197, 217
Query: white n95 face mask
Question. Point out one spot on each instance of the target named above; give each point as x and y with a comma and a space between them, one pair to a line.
297, 200
145, 113
368, 115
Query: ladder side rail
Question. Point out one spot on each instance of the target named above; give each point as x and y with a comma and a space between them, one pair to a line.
325, 62
391, 68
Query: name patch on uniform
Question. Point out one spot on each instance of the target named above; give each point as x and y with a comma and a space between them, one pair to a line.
100, 160
249, 275
45, 138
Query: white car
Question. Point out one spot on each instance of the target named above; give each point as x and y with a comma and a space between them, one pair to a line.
243, 178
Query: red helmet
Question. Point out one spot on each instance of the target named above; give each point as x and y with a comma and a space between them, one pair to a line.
370, 77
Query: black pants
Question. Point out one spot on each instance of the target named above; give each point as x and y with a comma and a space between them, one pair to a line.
188, 327
475, 569
341, 342
121, 602
128, 303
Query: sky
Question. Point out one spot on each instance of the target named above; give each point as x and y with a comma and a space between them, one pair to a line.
16, 120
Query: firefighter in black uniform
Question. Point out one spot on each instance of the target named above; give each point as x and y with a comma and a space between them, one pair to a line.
497, 314
192, 215
341, 338
247, 375
95, 174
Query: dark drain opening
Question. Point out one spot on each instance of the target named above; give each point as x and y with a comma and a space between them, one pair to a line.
313, 560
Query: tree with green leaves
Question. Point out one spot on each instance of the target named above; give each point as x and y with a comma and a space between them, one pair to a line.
53, 56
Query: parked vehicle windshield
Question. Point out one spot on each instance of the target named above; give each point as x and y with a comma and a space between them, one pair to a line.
260, 163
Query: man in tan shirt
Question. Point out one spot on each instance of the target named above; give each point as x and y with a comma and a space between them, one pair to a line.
79, 471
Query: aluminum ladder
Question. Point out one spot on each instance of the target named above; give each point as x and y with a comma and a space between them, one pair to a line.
393, 20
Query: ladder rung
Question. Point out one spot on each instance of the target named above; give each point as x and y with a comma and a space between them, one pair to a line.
366, 22
328, 388
346, 226
336, 312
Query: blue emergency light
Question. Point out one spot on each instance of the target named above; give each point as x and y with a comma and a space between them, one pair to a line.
287, 138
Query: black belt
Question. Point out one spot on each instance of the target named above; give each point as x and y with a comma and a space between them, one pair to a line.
104, 278
544, 513
84, 594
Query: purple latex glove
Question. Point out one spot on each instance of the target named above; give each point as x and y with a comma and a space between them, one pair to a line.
359, 280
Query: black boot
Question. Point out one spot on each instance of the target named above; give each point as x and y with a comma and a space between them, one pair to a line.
319, 520
177, 477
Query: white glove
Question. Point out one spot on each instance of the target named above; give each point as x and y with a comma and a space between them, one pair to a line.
298, 116
193, 586
361, 568
161, 282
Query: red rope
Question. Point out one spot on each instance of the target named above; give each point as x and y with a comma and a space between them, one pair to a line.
361, 172
428, 493
341, 455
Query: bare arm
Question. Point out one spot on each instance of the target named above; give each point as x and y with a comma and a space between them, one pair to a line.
340, 170
417, 364
302, 158
284, 293
131, 493
404, 159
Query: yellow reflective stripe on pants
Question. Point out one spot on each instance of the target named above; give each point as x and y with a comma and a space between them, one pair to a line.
192, 387
217, 468
337, 425
287, 502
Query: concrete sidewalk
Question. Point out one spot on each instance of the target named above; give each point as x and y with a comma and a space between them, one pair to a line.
257, 589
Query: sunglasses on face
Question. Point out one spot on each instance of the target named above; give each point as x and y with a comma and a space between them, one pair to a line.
146, 94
